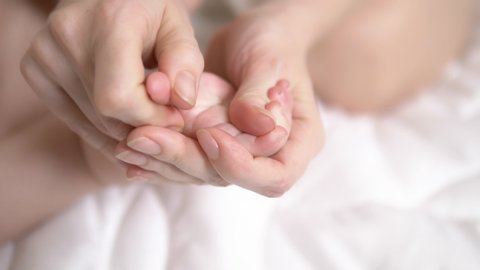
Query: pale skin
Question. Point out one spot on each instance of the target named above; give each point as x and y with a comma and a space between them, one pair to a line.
56, 174
251, 54
210, 110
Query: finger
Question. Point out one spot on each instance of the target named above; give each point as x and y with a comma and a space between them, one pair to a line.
174, 148
262, 146
70, 42
271, 176
179, 56
63, 107
148, 163
119, 90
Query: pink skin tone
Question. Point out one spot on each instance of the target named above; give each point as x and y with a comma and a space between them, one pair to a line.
252, 55
212, 104
211, 110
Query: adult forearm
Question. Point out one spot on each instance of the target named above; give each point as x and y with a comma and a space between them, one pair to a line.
42, 172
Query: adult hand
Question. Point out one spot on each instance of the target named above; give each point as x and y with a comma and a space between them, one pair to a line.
218, 158
88, 65
253, 54
211, 110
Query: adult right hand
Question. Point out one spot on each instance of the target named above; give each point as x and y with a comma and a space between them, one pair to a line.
88, 65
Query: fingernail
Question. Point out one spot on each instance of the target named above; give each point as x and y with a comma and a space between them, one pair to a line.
132, 158
208, 144
185, 87
145, 146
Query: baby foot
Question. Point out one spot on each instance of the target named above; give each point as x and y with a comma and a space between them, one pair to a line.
211, 110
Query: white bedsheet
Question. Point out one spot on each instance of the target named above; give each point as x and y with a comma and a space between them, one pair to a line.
398, 191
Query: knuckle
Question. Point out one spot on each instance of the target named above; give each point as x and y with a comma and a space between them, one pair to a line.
61, 26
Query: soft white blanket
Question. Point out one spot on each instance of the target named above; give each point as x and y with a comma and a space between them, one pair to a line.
397, 191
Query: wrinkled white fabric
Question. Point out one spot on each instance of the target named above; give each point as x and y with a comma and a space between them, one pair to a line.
397, 191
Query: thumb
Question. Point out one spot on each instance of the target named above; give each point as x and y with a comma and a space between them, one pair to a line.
179, 56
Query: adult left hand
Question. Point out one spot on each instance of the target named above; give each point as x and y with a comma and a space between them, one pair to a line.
252, 54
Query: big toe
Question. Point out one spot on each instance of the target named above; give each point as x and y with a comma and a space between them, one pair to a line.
250, 117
